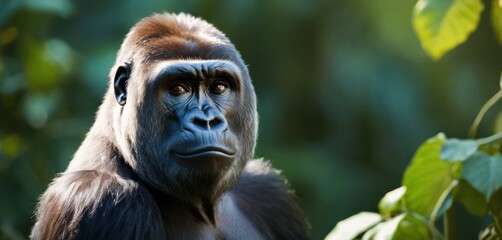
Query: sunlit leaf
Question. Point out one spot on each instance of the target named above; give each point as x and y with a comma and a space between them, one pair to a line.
411, 228
384, 230
370, 234
458, 150
489, 233
497, 19
354, 226
427, 177
391, 203
472, 200
403, 226
484, 173
442, 25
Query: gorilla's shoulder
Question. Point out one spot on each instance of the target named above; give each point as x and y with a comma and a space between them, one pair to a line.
76, 202
86, 187
260, 175
259, 167
260, 180
264, 196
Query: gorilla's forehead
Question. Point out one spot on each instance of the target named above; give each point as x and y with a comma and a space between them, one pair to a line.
194, 69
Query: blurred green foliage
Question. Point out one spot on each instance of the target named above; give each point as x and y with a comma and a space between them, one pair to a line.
443, 173
345, 92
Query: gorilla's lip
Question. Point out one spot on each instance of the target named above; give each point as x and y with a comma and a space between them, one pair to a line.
209, 150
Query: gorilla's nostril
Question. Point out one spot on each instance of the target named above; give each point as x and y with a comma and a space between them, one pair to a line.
201, 122
215, 122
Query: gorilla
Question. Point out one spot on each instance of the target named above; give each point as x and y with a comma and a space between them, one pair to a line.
170, 153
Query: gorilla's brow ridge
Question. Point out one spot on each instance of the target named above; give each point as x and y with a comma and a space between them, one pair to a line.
196, 69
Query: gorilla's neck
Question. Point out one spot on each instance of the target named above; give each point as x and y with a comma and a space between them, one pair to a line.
201, 211
197, 218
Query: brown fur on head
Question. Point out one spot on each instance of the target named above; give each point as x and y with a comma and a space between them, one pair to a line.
169, 36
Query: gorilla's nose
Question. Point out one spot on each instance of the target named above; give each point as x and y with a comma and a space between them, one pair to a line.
205, 121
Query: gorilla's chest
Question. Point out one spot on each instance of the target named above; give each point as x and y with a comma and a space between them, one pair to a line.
230, 223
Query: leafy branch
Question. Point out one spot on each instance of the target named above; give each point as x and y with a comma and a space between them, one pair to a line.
444, 171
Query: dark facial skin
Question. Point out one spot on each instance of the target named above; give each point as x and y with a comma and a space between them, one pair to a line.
200, 96
197, 103
170, 153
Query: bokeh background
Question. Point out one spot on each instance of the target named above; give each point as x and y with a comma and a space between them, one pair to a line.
346, 94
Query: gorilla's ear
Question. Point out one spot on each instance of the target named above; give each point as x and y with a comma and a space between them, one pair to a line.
120, 83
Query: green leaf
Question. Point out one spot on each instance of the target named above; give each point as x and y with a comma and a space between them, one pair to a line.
384, 230
441, 25
392, 204
411, 228
445, 201
370, 234
403, 226
484, 173
428, 177
354, 226
456, 150
472, 199
489, 233
497, 18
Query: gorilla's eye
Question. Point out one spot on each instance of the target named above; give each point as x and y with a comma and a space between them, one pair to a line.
218, 87
178, 89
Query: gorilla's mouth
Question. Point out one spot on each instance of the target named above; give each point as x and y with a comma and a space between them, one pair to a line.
207, 151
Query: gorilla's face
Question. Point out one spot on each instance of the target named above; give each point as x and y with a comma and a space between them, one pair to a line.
196, 106
186, 117
199, 97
